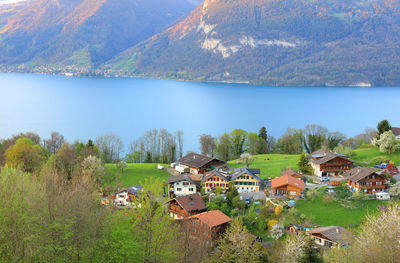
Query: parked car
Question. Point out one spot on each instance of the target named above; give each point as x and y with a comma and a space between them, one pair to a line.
381, 166
325, 179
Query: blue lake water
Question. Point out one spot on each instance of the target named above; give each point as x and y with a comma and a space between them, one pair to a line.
83, 108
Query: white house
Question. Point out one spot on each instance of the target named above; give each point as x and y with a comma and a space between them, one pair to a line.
183, 184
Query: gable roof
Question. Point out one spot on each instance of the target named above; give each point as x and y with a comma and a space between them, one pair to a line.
193, 202
212, 218
287, 180
198, 160
321, 156
396, 131
215, 173
245, 170
358, 173
333, 233
291, 172
184, 177
134, 190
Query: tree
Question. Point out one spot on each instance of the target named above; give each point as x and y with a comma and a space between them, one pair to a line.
121, 165
238, 245
303, 164
65, 159
334, 139
247, 158
224, 147
26, 155
312, 194
277, 231
291, 142
263, 133
110, 146
54, 143
291, 249
388, 142
253, 143
86, 150
359, 196
239, 138
314, 137
394, 190
207, 144
93, 166
311, 254
263, 141
34, 137
179, 138
383, 127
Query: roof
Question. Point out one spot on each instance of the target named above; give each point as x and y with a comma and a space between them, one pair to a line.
321, 156
184, 177
215, 173
245, 170
287, 180
212, 218
396, 131
198, 160
133, 189
291, 173
191, 202
333, 233
358, 173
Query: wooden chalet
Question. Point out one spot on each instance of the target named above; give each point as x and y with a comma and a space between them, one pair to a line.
391, 169
183, 184
126, 196
184, 206
200, 164
365, 179
292, 173
215, 179
396, 132
287, 185
208, 225
329, 237
246, 180
325, 163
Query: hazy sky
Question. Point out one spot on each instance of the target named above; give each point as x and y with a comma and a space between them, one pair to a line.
9, 1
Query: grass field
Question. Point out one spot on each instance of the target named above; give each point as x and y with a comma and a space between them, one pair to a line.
136, 173
271, 165
373, 155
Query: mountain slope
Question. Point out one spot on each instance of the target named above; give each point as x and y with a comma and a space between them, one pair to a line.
82, 33
275, 42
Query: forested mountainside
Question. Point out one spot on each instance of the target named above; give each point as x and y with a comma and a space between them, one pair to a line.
80, 33
275, 42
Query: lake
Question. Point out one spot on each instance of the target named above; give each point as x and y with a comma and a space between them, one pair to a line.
83, 108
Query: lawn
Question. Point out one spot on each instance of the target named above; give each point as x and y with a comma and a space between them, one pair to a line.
333, 214
373, 155
136, 173
272, 167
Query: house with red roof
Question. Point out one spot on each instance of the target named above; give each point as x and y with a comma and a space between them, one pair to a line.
184, 206
208, 225
287, 185
292, 173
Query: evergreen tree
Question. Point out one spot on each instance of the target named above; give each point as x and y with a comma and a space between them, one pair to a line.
310, 253
303, 164
263, 133
383, 126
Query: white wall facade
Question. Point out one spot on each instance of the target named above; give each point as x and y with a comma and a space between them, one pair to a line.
184, 188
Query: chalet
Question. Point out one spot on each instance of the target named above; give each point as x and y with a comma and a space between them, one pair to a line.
396, 132
183, 184
215, 179
365, 179
184, 206
209, 225
325, 163
391, 169
194, 163
292, 173
126, 196
329, 237
246, 180
287, 185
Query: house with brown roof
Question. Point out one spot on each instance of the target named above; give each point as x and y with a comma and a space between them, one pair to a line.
246, 180
325, 163
183, 184
208, 225
194, 163
291, 172
126, 196
185, 206
365, 179
396, 132
329, 236
287, 185
215, 179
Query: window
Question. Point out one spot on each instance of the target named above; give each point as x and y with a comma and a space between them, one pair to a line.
185, 183
178, 189
190, 189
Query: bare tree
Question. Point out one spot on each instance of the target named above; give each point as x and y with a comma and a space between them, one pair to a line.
179, 139
110, 146
208, 144
314, 137
54, 143
34, 137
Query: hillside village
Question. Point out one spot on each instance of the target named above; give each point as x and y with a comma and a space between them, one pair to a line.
196, 181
